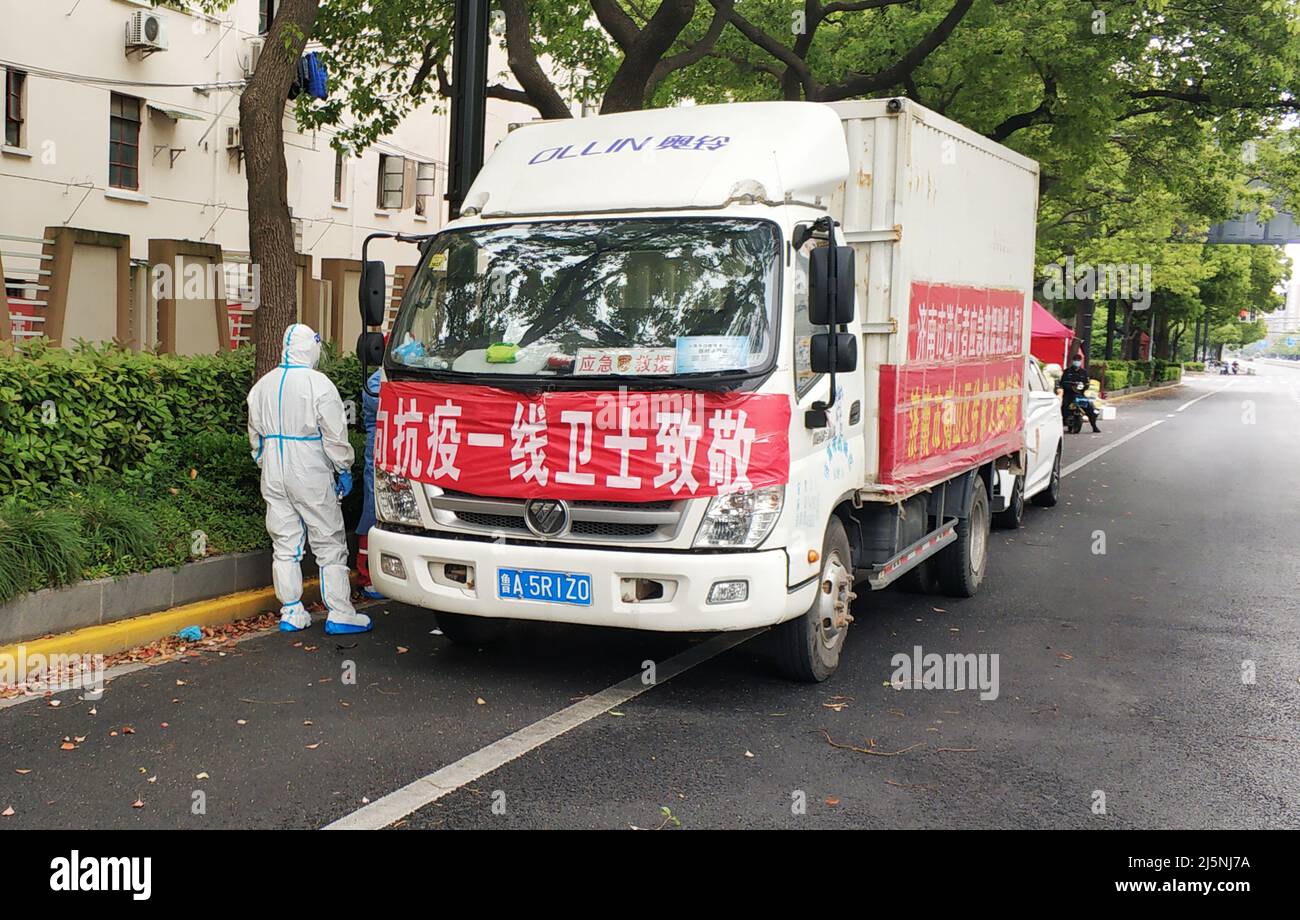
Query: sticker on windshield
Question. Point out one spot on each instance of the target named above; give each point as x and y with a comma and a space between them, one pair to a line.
638, 361
703, 354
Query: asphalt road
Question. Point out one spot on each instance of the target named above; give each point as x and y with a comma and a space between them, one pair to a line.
1120, 675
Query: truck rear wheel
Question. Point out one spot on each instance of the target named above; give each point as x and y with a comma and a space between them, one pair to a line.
808, 647
467, 630
960, 565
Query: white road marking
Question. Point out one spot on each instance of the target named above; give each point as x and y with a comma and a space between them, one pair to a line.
1085, 460
428, 789
1088, 458
1192, 402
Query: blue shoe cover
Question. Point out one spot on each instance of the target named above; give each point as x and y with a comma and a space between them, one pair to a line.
340, 629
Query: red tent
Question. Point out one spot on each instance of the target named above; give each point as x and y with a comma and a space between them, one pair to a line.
1050, 338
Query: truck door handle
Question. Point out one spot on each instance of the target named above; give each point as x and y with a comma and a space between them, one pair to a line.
855, 412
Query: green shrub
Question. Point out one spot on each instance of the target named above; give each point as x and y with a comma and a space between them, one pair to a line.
69, 418
1194, 365
1116, 379
116, 528
1173, 373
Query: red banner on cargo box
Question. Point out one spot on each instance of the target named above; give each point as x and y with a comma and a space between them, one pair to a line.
955, 323
958, 402
617, 446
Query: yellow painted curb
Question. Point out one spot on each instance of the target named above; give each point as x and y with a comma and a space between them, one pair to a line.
111, 638
1147, 392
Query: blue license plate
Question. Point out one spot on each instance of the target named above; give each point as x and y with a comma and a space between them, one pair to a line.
548, 587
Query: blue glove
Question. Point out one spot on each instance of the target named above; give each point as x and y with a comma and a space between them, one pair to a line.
344, 487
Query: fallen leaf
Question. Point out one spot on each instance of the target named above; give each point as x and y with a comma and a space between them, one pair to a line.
312, 747
180, 683
163, 724
194, 474
152, 779
241, 721
138, 803
8, 812
308, 722
68, 746
55, 702
749, 754
832, 801
402, 650
79, 739
128, 730
94, 711
481, 701
201, 776
21, 772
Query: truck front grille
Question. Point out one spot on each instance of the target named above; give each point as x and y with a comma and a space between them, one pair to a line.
592, 521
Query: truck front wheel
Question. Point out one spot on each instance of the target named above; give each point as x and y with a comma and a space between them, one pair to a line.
467, 630
808, 647
960, 565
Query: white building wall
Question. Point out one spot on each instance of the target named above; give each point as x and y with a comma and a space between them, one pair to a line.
59, 175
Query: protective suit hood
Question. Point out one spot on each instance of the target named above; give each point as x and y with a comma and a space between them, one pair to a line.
301, 346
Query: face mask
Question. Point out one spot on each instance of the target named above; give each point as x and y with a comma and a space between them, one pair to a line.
1077, 364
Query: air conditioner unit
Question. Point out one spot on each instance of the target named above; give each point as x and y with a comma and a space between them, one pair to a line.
146, 31
234, 141
255, 46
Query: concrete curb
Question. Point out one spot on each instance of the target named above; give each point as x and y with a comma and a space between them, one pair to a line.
111, 638
101, 601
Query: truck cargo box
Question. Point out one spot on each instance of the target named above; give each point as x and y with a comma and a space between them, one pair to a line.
943, 223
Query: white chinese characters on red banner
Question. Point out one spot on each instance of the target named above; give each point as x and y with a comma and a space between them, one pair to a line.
582, 445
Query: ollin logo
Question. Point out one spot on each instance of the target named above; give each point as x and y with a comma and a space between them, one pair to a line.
103, 873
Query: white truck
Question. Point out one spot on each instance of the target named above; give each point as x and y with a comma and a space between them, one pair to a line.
711, 368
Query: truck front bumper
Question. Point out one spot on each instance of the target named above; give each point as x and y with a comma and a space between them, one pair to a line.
686, 579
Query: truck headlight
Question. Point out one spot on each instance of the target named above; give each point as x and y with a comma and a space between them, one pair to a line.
741, 519
395, 499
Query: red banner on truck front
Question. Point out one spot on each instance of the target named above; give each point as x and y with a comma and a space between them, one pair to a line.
619, 446
959, 400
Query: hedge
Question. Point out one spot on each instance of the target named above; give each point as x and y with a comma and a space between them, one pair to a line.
113, 462
101, 413
1116, 379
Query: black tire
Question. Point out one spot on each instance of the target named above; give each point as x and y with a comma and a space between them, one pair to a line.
1011, 517
919, 580
1074, 424
467, 630
807, 648
960, 565
1052, 494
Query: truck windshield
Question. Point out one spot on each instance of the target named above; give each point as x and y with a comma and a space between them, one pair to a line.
630, 298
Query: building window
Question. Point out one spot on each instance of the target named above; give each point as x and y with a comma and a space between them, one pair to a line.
392, 182
339, 173
425, 182
15, 83
124, 143
265, 15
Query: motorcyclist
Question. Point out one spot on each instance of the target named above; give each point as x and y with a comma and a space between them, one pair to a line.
1076, 374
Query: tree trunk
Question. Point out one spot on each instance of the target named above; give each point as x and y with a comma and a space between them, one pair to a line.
270, 227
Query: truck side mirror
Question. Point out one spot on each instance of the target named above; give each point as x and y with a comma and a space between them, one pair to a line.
372, 294
821, 296
370, 348
845, 348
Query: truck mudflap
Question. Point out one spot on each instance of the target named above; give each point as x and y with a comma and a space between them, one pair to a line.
882, 574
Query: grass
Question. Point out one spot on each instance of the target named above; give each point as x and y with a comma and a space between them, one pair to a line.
38, 547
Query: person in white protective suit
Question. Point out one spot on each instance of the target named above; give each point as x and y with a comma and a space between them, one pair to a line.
298, 434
